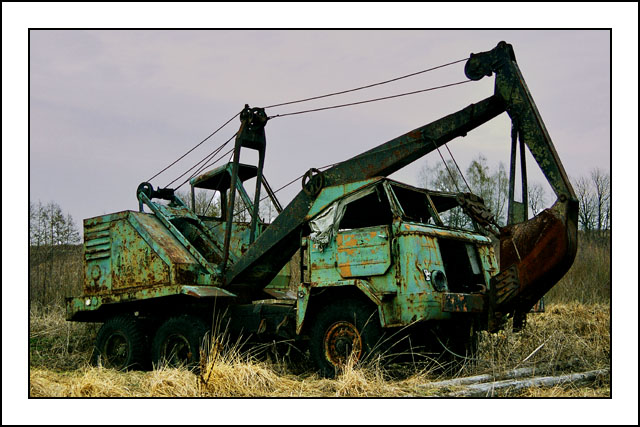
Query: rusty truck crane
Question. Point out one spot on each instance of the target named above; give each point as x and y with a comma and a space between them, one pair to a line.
375, 254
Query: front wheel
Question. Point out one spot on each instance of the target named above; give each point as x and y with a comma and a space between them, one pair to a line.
459, 341
343, 330
177, 342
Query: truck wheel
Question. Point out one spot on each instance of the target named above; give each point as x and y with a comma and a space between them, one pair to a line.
346, 328
459, 339
120, 344
177, 342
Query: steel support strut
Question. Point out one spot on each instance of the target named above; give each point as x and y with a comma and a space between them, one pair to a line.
251, 135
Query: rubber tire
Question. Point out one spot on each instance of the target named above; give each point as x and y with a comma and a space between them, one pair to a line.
357, 313
125, 328
459, 337
189, 329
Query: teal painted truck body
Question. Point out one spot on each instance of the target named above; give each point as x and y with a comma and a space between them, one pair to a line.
134, 256
396, 262
131, 256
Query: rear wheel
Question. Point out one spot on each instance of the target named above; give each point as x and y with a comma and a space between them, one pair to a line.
177, 342
120, 344
346, 329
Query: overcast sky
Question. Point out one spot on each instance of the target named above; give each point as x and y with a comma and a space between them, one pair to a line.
109, 109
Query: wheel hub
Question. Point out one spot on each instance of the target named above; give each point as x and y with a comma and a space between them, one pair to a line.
116, 351
177, 350
341, 341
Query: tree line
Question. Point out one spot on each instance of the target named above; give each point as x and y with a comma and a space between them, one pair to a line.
55, 250
592, 190
207, 203
55, 254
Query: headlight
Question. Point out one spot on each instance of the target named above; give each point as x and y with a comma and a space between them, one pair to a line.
439, 280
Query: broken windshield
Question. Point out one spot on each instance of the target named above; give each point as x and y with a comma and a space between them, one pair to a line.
428, 207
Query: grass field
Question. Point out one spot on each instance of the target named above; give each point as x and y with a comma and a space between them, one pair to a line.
573, 335
567, 338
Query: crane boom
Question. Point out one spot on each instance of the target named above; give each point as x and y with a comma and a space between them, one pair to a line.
279, 241
275, 246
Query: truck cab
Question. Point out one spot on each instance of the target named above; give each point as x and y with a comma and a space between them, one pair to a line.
413, 252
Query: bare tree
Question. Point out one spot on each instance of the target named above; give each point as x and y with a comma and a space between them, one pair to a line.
593, 192
493, 187
48, 225
594, 195
586, 213
482, 182
441, 178
207, 202
446, 178
502, 194
268, 212
537, 197
601, 198
241, 212
53, 240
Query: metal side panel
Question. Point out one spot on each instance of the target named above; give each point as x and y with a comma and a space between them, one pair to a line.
363, 252
89, 307
135, 262
97, 255
183, 267
129, 249
160, 239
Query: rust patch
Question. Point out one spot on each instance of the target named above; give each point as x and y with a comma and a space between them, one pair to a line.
541, 250
347, 240
340, 341
415, 134
463, 303
345, 270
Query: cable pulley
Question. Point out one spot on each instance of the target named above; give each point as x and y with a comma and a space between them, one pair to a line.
312, 182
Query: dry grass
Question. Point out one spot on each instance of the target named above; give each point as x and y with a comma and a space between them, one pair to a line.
573, 335
56, 344
588, 281
568, 337
597, 390
99, 382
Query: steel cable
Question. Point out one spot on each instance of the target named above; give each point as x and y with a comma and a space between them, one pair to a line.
367, 86
274, 192
455, 183
317, 109
458, 167
371, 100
204, 160
196, 146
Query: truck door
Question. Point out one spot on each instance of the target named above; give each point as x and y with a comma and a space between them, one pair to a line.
363, 252
363, 239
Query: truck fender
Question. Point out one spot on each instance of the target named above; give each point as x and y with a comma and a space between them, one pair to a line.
304, 294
